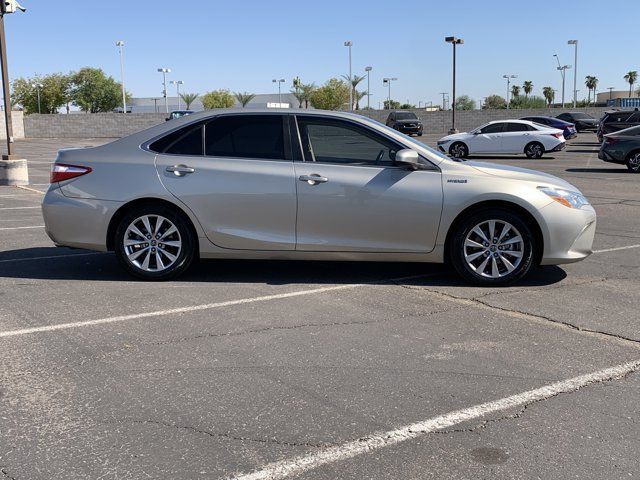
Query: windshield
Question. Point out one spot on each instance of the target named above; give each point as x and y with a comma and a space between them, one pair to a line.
406, 116
580, 115
633, 131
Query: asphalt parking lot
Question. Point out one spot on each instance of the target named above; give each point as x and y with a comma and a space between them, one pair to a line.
320, 370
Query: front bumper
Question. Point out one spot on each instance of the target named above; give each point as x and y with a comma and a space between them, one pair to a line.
409, 130
569, 233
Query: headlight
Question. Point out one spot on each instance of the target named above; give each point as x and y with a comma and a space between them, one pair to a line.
565, 197
442, 142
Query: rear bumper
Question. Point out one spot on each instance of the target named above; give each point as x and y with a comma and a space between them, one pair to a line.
611, 156
558, 147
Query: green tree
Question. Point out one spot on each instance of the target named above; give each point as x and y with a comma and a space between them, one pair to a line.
391, 105
54, 93
188, 99
93, 91
528, 102
333, 95
515, 91
591, 82
494, 102
244, 98
407, 106
549, 94
220, 98
359, 95
631, 78
527, 86
464, 102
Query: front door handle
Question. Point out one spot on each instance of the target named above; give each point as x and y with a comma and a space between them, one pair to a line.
313, 179
180, 170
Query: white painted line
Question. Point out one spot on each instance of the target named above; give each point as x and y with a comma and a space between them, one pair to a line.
19, 208
26, 259
29, 189
615, 249
21, 228
304, 463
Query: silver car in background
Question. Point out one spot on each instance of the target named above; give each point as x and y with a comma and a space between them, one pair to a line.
308, 185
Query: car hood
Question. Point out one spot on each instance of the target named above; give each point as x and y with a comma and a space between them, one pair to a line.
455, 136
516, 173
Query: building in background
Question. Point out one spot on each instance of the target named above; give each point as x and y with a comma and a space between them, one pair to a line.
264, 100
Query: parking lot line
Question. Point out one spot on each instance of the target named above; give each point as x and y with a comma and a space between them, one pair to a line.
21, 228
29, 189
19, 208
615, 249
304, 463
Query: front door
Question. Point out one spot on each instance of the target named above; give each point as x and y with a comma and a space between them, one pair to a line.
351, 196
487, 140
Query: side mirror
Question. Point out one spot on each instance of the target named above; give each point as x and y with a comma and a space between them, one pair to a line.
409, 158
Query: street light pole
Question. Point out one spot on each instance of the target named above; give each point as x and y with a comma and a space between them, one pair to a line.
575, 70
279, 82
368, 70
6, 91
164, 72
509, 77
38, 86
120, 45
350, 44
177, 83
454, 41
563, 70
388, 81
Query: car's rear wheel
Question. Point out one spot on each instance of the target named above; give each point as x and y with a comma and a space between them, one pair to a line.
458, 150
492, 247
154, 242
534, 150
633, 162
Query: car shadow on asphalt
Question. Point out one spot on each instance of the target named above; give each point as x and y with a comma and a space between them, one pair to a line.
85, 266
507, 157
597, 170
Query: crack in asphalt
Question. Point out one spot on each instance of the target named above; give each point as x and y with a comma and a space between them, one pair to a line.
541, 289
5, 474
229, 436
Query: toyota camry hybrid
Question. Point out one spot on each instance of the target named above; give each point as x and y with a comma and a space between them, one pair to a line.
312, 185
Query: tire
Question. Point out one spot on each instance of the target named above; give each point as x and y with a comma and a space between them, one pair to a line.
633, 162
482, 262
168, 255
534, 150
458, 150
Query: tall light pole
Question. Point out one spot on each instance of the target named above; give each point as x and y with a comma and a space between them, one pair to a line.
120, 45
164, 72
563, 70
387, 81
279, 82
177, 83
509, 77
349, 44
454, 41
575, 70
368, 70
37, 86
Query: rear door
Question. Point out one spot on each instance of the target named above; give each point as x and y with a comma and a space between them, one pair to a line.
515, 137
236, 176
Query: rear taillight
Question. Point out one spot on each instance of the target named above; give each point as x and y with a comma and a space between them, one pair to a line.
557, 135
610, 141
61, 172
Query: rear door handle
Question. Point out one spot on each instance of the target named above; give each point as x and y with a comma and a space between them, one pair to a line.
313, 179
180, 170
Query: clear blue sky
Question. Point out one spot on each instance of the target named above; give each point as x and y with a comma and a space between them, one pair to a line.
242, 45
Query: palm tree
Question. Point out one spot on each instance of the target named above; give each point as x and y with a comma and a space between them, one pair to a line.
188, 99
299, 94
591, 82
355, 80
549, 93
243, 98
515, 91
359, 96
306, 89
527, 86
631, 78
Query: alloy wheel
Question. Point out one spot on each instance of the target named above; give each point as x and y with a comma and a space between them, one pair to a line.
493, 248
634, 162
152, 243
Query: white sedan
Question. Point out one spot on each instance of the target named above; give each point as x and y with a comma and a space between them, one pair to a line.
504, 136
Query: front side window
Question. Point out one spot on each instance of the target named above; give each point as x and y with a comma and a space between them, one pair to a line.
493, 128
336, 141
246, 136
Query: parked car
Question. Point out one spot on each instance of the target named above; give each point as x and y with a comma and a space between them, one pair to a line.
568, 129
308, 185
622, 147
504, 136
583, 122
405, 122
616, 120
178, 114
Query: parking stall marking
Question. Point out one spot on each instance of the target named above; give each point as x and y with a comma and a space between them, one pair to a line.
19, 208
47, 257
21, 228
615, 249
301, 464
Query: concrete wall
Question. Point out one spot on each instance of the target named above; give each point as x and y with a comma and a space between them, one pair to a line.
16, 122
117, 125
82, 125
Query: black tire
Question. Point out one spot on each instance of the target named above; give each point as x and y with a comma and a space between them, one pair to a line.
633, 162
458, 150
465, 228
534, 150
184, 255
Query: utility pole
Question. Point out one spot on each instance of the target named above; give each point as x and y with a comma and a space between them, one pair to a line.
368, 70
120, 45
509, 77
350, 44
454, 41
444, 105
575, 70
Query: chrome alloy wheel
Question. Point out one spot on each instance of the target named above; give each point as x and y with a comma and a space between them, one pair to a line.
152, 243
493, 248
634, 162
535, 150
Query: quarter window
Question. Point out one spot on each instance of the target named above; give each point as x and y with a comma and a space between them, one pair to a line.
185, 141
516, 127
246, 136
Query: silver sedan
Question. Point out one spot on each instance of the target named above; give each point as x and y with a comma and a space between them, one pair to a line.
308, 185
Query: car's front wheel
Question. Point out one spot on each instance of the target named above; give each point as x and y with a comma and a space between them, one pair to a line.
534, 150
154, 242
492, 247
633, 162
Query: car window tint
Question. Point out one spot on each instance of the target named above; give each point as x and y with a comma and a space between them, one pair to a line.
246, 136
336, 141
635, 117
516, 127
189, 144
163, 144
493, 128
617, 117
633, 131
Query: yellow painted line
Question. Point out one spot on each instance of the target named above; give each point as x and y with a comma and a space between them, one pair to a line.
30, 189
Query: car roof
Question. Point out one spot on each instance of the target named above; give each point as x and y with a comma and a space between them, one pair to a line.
512, 120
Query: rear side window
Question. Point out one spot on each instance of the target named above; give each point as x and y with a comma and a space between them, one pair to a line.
517, 127
185, 141
246, 136
617, 117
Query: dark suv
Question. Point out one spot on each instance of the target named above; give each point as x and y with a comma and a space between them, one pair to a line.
617, 120
582, 121
405, 122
